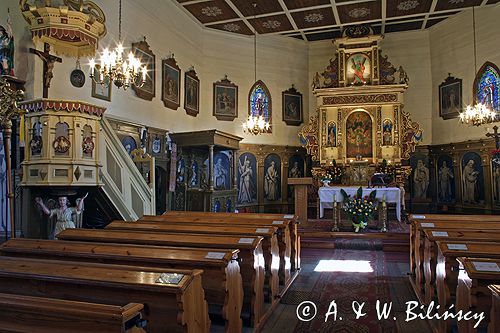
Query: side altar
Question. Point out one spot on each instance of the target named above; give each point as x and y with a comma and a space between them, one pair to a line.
360, 126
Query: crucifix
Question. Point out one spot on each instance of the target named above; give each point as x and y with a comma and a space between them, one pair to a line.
496, 135
49, 61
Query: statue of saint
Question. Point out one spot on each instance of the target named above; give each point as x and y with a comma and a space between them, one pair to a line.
295, 171
271, 183
220, 174
316, 81
445, 175
421, 180
246, 190
6, 52
194, 174
469, 179
64, 214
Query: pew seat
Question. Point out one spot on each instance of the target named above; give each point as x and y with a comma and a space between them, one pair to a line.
174, 300
221, 277
28, 314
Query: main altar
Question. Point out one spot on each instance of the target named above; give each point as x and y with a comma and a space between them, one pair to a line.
360, 125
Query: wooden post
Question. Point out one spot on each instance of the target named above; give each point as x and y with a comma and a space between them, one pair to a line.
300, 188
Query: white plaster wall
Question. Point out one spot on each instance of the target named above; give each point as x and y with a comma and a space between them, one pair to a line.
409, 49
451, 45
281, 63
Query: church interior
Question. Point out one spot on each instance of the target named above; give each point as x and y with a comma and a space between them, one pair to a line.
250, 166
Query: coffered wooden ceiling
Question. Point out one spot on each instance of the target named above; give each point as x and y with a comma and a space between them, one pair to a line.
312, 20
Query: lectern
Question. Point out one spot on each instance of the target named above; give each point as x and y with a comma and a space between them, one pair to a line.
300, 188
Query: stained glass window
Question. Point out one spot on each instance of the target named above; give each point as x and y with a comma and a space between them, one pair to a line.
486, 86
260, 101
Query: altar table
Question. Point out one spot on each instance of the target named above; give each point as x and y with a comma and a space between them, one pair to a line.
327, 194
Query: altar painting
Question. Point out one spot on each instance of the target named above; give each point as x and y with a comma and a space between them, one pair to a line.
358, 71
359, 135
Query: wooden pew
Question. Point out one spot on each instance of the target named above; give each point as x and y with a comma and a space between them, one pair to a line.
168, 307
447, 269
221, 277
430, 219
251, 254
472, 290
494, 326
269, 243
418, 244
284, 240
430, 253
28, 314
294, 221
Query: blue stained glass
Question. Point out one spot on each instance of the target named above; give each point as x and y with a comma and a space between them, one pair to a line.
259, 102
487, 88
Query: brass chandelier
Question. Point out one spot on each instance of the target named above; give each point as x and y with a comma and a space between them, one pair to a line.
255, 124
479, 113
112, 67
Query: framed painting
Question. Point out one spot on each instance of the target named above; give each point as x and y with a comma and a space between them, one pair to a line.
292, 107
359, 135
142, 52
358, 69
450, 97
225, 100
170, 86
191, 93
101, 91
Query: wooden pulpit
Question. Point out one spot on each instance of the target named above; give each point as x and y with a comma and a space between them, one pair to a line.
300, 188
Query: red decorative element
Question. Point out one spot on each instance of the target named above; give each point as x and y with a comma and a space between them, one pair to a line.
47, 104
88, 145
61, 145
495, 152
65, 35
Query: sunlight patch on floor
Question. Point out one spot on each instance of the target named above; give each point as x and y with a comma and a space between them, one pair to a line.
355, 266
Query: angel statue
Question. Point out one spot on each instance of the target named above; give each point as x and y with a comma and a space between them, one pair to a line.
64, 214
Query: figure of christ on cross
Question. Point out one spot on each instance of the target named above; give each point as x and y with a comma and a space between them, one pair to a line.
49, 61
496, 135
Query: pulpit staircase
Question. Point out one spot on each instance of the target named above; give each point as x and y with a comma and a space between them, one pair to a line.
124, 185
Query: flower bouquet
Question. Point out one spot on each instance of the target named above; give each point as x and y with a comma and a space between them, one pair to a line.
329, 174
360, 209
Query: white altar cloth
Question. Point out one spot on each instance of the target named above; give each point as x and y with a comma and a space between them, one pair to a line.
327, 194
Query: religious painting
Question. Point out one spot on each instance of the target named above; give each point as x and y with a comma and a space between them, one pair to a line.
445, 179
359, 135
129, 144
331, 134
387, 132
358, 69
292, 107
259, 102
225, 100
247, 179
142, 52
191, 93
420, 177
222, 171
495, 172
170, 85
272, 177
101, 91
486, 86
472, 179
450, 98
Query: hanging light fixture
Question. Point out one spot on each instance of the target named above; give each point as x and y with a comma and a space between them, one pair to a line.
113, 68
256, 124
479, 113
